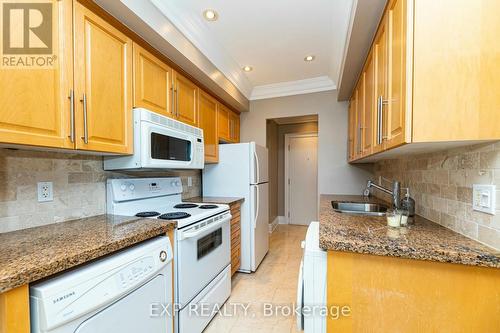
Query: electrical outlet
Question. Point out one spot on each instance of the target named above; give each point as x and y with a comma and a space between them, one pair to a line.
190, 181
484, 198
45, 191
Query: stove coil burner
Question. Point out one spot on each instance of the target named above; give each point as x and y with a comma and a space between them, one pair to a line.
147, 214
174, 216
208, 206
186, 205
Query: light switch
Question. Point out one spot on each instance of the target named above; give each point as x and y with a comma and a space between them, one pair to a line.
484, 198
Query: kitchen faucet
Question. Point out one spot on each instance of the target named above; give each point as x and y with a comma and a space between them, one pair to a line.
395, 192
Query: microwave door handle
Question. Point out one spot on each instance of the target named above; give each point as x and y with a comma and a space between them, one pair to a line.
192, 234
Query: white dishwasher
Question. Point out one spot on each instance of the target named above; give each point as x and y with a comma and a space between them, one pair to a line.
126, 292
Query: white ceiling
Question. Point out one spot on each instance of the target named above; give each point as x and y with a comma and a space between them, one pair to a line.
272, 36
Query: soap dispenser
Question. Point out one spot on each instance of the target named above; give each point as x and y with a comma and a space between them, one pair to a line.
408, 203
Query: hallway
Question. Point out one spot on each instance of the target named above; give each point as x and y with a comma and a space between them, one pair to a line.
275, 283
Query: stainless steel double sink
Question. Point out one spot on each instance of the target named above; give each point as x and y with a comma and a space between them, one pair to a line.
357, 208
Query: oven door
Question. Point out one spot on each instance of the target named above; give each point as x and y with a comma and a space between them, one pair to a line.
203, 251
163, 147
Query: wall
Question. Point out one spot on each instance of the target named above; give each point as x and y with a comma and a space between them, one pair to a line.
272, 146
441, 184
335, 175
303, 128
79, 187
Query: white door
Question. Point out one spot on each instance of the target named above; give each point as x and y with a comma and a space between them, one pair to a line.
260, 225
303, 179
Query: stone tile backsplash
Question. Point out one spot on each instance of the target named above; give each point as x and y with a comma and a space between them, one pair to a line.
441, 183
79, 187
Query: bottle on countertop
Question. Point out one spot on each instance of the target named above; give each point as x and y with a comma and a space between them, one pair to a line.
408, 203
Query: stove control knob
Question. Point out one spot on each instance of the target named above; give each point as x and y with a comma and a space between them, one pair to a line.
123, 187
132, 187
177, 183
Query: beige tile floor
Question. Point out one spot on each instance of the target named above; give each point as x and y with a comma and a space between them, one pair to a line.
275, 283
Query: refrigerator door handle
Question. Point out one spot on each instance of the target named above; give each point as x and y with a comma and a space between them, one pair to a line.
256, 167
256, 213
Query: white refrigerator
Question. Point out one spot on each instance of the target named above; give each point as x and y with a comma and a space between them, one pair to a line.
242, 172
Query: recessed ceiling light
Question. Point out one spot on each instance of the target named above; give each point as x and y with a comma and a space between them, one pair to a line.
210, 15
309, 58
247, 68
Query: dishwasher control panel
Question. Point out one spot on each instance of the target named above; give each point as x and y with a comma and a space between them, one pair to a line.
135, 272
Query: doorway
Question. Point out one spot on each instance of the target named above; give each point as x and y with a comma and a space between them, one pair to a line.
301, 178
279, 130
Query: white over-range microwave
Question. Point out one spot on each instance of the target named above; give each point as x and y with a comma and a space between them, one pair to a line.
161, 143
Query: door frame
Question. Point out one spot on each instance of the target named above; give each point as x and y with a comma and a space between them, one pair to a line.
287, 171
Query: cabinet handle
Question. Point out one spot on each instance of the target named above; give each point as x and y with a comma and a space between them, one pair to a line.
72, 115
360, 133
380, 113
85, 136
172, 99
176, 103
379, 120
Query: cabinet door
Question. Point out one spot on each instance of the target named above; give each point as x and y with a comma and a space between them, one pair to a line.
207, 120
360, 109
352, 128
152, 83
103, 84
369, 106
396, 106
381, 68
236, 131
223, 123
186, 100
234, 124
356, 130
35, 107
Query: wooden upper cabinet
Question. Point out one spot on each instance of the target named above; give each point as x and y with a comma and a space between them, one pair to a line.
369, 107
237, 125
396, 83
223, 123
355, 128
186, 100
351, 129
381, 68
207, 120
35, 107
456, 70
234, 127
103, 84
152, 83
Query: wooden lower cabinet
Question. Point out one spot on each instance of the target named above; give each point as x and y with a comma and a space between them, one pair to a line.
15, 311
235, 236
388, 294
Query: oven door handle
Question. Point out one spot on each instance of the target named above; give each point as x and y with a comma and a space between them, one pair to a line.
212, 226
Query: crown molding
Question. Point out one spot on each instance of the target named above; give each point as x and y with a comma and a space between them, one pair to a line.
299, 87
195, 30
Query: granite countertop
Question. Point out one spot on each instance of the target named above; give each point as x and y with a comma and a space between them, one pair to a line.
33, 254
215, 200
423, 240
